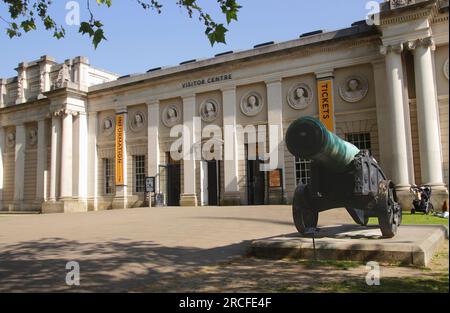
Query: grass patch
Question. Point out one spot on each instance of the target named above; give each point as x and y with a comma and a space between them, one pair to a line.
416, 219
431, 284
342, 265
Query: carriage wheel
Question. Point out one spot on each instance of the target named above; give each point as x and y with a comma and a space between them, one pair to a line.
389, 211
305, 216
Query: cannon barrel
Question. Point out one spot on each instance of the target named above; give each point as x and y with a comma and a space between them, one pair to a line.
308, 138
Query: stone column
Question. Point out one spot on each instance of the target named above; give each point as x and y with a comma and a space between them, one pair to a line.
92, 164
275, 123
2, 150
19, 172
55, 157
383, 122
22, 83
398, 154
45, 64
231, 173
427, 113
82, 161
153, 140
41, 166
189, 196
121, 198
2, 92
428, 119
66, 156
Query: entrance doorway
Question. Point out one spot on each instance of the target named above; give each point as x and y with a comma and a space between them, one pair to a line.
173, 181
256, 188
210, 182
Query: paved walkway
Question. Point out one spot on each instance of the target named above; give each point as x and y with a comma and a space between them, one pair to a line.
126, 249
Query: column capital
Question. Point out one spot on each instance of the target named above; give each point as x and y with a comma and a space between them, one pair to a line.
121, 111
427, 42
271, 81
324, 73
63, 112
152, 102
228, 89
188, 96
379, 63
395, 48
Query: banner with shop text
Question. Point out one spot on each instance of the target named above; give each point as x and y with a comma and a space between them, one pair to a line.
325, 92
120, 121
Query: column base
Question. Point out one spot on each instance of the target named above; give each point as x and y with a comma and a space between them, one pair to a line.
188, 200
231, 199
64, 206
404, 197
92, 204
120, 203
439, 197
277, 197
16, 206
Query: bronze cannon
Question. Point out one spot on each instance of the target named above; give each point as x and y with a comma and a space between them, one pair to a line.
342, 176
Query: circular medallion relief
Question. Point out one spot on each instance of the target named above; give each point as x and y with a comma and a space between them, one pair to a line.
108, 126
209, 110
10, 139
252, 104
170, 115
446, 69
354, 89
300, 96
32, 136
138, 121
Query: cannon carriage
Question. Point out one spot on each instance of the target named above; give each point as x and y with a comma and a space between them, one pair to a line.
342, 176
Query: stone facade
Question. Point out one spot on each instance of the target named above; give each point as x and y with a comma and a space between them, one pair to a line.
390, 90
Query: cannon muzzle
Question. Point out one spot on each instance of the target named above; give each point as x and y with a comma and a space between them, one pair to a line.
308, 138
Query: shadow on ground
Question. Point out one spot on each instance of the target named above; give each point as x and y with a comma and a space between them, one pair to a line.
40, 266
120, 266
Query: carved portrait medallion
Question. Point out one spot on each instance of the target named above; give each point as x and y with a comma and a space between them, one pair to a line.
252, 104
32, 136
10, 139
108, 126
300, 96
354, 88
138, 121
209, 110
171, 116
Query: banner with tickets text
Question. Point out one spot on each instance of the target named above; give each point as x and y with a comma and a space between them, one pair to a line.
325, 92
120, 121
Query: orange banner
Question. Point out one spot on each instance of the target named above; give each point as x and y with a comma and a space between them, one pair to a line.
325, 92
120, 120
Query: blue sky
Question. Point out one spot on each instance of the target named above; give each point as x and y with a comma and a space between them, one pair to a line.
140, 40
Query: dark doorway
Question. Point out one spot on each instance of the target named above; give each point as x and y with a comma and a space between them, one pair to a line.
213, 182
173, 182
256, 190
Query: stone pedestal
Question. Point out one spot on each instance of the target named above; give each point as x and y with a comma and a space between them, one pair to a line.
413, 245
231, 199
188, 200
64, 206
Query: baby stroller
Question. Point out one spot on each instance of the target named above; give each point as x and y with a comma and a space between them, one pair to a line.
421, 202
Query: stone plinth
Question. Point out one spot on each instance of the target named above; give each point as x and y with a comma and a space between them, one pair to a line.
413, 245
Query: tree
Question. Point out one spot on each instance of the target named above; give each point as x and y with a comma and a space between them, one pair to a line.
25, 15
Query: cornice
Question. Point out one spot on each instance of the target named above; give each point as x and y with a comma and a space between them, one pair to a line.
402, 18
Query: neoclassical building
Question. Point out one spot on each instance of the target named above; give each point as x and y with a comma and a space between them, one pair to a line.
76, 138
